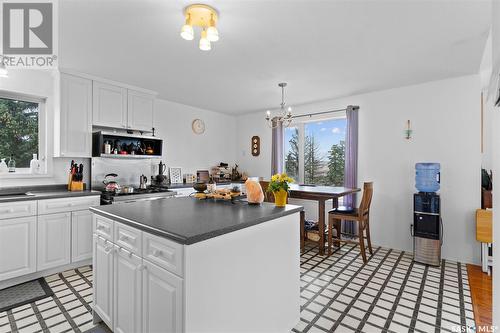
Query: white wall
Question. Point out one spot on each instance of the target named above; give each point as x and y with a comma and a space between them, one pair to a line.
182, 148
445, 116
495, 157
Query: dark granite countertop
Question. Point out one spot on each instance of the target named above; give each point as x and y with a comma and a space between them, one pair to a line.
188, 220
23, 193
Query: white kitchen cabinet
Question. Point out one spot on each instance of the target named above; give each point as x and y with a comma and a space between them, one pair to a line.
127, 305
17, 247
81, 235
53, 240
109, 105
162, 305
75, 138
103, 279
140, 110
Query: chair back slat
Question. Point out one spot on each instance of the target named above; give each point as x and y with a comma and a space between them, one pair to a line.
268, 196
366, 200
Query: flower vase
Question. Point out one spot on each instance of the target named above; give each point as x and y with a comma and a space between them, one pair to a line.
280, 198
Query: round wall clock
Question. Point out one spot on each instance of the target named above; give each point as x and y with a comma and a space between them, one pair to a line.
198, 126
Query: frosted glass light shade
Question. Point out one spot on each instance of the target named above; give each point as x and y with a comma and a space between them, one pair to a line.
204, 42
187, 32
212, 34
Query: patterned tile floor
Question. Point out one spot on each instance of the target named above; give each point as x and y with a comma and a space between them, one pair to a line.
390, 293
338, 293
67, 311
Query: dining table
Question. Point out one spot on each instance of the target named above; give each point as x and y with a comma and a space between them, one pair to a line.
320, 194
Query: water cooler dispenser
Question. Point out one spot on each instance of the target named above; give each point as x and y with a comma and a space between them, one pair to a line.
427, 225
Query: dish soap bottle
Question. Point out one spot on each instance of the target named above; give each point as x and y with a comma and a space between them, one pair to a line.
12, 164
3, 166
34, 165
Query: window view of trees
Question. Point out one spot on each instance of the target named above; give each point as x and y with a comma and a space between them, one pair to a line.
18, 131
324, 152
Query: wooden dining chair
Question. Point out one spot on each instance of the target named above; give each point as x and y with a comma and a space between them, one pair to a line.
269, 197
360, 215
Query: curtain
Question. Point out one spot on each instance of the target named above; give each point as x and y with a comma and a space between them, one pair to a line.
277, 147
351, 163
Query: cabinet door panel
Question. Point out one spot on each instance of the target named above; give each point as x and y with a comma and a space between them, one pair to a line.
162, 300
140, 110
76, 117
127, 292
109, 105
81, 235
53, 240
103, 279
17, 247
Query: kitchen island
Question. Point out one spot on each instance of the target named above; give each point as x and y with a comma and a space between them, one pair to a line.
184, 265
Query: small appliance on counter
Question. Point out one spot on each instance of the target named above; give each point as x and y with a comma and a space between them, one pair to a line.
427, 228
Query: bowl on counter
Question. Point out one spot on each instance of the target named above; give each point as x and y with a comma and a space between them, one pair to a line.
200, 187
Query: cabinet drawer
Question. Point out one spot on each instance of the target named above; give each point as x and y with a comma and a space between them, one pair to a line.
103, 227
163, 252
17, 209
50, 206
128, 238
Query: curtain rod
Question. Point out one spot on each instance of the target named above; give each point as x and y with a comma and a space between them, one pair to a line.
354, 107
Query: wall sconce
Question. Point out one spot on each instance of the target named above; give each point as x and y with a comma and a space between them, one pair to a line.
408, 130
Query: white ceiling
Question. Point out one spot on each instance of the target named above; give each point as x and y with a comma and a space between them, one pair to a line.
323, 49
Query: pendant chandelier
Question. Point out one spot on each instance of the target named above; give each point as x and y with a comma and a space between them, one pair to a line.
285, 114
205, 17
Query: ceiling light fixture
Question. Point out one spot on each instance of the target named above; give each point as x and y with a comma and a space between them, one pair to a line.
206, 18
3, 68
285, 115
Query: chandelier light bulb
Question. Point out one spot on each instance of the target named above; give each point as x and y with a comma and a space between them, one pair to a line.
204, 42
187, 29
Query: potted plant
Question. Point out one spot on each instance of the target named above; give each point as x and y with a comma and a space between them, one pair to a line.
279, 187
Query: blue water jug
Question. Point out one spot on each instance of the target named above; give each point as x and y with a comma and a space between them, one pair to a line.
428, 177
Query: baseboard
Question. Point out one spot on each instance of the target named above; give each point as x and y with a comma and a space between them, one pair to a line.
47, 272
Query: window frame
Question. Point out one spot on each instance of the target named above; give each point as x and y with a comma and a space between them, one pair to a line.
300, 124
42, 134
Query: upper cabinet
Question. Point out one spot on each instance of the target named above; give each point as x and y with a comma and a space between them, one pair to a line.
140, 110
110, 105
75, 117
119, 107
85, 101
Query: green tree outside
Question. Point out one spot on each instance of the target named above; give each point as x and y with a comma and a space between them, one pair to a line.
336, 162
318, 169
292, 157
18, 131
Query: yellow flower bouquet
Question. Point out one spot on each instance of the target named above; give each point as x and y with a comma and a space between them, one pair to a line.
279, 187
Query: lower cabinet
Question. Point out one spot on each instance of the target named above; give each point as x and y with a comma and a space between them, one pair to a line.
127, 291
161, 301
103, 279
134, 295
81, 235
17, 247
54, 240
